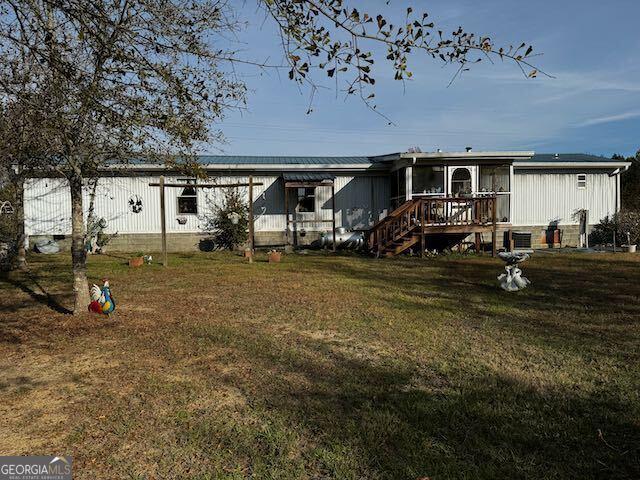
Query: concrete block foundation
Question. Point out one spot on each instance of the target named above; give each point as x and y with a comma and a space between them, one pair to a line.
191, 242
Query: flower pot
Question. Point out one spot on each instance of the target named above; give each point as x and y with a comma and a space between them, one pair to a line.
248, 254
275, 257
136, 261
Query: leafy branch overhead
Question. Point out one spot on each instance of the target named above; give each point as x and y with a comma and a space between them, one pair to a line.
331, 36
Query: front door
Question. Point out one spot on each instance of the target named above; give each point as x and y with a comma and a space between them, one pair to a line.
462, 181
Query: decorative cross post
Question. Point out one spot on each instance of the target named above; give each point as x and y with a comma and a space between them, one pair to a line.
251, 218
163, 222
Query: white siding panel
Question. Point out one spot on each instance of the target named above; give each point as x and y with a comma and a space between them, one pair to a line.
112, 203
47, 207
544, 197
360, 201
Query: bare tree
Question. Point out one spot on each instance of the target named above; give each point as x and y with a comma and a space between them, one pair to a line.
340, 40
22, 148
122, 79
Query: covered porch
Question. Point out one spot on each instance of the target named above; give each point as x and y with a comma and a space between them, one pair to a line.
411, 223
446, 195
458, 179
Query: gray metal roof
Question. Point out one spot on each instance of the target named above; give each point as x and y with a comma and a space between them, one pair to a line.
307, 176
260, 160
567, 157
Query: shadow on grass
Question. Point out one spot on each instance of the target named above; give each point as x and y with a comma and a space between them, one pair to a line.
577, 307
387, 418
32, 286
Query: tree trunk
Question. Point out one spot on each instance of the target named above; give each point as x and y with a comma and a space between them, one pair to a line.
78, 253
21, 254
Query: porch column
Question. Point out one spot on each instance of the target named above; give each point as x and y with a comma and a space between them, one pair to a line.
286, 212
408, 182
333, 214
511, 192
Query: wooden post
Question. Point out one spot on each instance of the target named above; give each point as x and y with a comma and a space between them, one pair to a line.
614, 242
423, 245
286, 214
333, 217
478, 244
494, 233
511, 240
251, 246
163, 223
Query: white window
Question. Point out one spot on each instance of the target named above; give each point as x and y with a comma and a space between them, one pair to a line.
582, 180
188, 198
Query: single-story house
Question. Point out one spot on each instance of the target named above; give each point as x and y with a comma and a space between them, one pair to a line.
547, 198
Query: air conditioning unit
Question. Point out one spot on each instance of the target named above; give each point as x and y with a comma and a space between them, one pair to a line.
521, 239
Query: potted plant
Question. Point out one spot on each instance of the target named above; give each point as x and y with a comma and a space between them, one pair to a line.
137, 260
274, 256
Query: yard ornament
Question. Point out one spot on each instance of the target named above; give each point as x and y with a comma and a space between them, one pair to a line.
6, 207
101, 300
513, 281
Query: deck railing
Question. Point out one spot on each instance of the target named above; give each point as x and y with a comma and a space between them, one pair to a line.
420, 213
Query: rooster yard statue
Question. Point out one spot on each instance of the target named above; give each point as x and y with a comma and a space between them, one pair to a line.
101, 299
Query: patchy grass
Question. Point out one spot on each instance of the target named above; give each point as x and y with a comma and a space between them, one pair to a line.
328, 367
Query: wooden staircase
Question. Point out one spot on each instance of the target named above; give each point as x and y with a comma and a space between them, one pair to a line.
408, 224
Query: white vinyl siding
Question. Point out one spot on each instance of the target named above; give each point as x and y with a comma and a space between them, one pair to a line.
543, 197
360, 201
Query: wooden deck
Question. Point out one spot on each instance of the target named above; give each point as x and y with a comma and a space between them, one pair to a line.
412, 221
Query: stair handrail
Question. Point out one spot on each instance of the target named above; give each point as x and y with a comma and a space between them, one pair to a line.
379, 231
399, 223
398, 211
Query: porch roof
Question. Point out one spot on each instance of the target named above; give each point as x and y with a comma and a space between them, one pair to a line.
297, 179
308, 176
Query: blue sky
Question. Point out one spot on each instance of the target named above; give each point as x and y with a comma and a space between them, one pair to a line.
593, 104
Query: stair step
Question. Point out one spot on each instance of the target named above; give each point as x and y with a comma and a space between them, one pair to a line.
399, 246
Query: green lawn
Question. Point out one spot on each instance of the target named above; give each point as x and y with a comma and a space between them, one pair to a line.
328, 367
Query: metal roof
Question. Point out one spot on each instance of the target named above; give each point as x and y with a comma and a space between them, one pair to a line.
268, 160
307, 176
567, 157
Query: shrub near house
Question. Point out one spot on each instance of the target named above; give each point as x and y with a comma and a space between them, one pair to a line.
624, 225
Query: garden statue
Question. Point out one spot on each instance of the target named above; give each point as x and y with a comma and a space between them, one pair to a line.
101, 299
512, 281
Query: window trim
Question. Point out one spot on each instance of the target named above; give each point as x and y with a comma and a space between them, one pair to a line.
579, 181
300, 198
453, 181
435, 169
187, 181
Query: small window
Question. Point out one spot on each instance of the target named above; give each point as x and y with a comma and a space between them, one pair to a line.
582, 180
188, 198
306, 199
